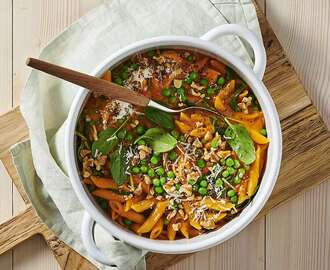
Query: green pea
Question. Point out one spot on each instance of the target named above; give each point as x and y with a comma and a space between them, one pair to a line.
172, 99
177, 186
127, 222
194, 75
175, 134
241, 172
124, 75
190, 58
140, 129
121, 134
154, 160
204, 82
162, 180
141, 142
201, 163
231, 193
118, 81
159, 190
225, 173
166, 92
144, 169
129, 136
188, 80
210, 91
125, 67
230, 162
214, 143
203, 183
234, 199
202, 191
218, 183
237, 180
183, 98
237, 164
191, 181
160, 171
135, 170
263, 132
221, 81
172, 155
151, 172
143, 162
170, 174
156, 182
230, 170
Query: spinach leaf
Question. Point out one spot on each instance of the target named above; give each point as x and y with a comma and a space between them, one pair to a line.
233, 104
159, 140
150, 134
240, 141
118, 166
107, 141
161, 118
163, 143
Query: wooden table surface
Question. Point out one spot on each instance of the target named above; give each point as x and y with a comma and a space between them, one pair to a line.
295, 235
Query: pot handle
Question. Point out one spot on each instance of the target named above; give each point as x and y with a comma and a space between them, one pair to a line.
249, 36
89, 242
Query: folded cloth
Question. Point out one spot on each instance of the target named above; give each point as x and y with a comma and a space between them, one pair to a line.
46, 101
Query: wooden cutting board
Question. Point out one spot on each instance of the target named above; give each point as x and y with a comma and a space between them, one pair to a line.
306, 158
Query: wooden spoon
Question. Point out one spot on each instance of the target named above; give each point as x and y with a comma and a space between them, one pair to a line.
103, 87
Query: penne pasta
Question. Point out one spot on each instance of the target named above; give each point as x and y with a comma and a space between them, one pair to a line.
185, 228
104, 183
143, 205
171, 233
131, 215
153, 217
192, 219
219, 205
108, 195
157, 229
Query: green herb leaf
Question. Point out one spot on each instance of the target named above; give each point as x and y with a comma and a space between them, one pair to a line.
159, 140
161, 118
233, 104
151, 134
240, 141
107, 141
118, 166
163, 143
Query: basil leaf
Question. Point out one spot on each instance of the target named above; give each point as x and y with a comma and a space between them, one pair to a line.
150, 134
163, 143
240, 141
118, 166
106, 142
161, 118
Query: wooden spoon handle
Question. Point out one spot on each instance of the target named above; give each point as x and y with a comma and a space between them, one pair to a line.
96, 85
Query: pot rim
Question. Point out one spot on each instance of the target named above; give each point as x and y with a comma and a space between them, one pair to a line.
270, 173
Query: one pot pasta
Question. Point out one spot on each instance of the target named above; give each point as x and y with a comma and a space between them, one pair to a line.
172, 176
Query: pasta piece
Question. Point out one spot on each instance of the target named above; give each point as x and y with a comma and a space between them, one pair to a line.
131, 215
218, 66
171, 233
198, 132
219, 205
242, 195
216, 217
131, 201
185, 118
192, 219
254, 173
87, 181
143, 205
183, 127
108, 195
102, 182
134, 227
211, 74
107, 76
114, 215
145, 187
128, 205
157, 229
185, 229
253, 120
256, 136
153, 217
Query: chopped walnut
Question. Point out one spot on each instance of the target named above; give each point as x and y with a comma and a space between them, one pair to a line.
94, 133
177, 83
246, 102
197, 143
171, 214
197, 86
84, 152
138, 190
208, 136
176, 226
100, 161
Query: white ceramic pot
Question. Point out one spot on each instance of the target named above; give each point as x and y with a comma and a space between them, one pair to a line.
252, 77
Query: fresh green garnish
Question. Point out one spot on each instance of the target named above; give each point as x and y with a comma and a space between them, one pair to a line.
172, 156
194, 75
107, 141
170, 174
135, 170
166, 92
218, 183
163, 119
159, 190
221, 81
118, 166
201, 163
177, 186
231, 193
156, 182
240, 141
154, 160
151, 172
204, 82
202, 191
144, 169
160, 171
